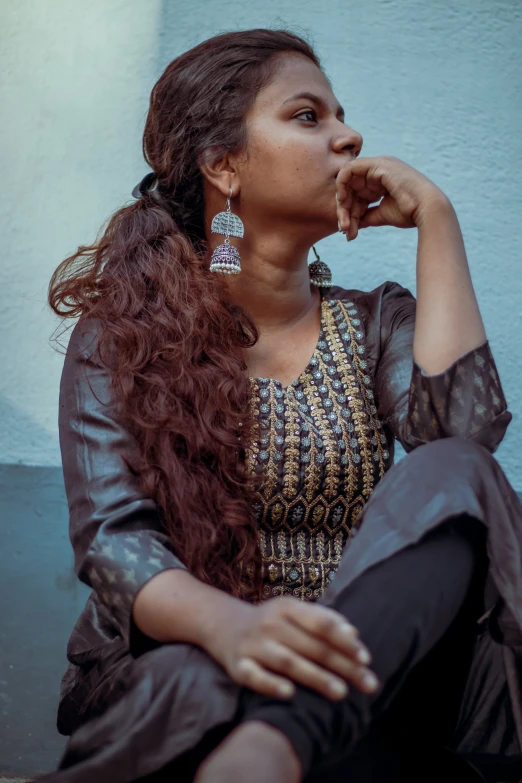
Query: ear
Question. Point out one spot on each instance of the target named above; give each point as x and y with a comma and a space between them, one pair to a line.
220, 171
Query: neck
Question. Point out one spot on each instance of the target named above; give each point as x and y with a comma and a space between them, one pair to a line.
274, 284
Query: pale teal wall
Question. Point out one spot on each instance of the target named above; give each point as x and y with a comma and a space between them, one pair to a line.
438, 85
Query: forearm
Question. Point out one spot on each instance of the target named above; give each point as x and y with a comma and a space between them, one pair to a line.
174, 606
448, 323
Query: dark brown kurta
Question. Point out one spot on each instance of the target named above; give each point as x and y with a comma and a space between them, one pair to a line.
323, 444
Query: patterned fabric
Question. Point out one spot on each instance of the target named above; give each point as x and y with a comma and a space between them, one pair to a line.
459, 401
122, 566
114, 529
321, 446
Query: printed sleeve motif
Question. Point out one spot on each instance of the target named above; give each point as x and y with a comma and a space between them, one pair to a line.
115, 531
465, 400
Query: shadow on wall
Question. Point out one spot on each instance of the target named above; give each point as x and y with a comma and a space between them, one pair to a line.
40, 600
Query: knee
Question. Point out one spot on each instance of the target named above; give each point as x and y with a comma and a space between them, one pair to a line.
455, 452
171, 664
450, 462
186, 676
163, 660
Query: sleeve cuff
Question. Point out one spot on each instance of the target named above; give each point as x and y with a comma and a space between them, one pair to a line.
465, 400
122, 565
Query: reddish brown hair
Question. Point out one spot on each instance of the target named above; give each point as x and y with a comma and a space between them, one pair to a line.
177, 344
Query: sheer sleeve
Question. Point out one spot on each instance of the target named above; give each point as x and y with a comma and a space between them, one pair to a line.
115, 531
465, 400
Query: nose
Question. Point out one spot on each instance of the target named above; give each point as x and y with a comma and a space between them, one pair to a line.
349, 140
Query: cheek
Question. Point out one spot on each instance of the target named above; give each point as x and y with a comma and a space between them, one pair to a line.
289, 168
287, 157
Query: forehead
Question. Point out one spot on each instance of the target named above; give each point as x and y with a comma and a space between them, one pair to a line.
295, 73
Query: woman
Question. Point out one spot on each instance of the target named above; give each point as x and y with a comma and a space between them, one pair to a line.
225, 436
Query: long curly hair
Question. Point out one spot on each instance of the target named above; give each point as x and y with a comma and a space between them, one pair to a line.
172, 339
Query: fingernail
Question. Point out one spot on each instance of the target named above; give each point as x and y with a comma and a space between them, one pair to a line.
285, 689
371, 681
337, 688
364, 656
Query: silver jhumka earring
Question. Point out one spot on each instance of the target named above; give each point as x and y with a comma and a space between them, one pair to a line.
225, 257
320, 273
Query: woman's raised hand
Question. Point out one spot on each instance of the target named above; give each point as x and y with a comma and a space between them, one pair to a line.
406, 194
283, 641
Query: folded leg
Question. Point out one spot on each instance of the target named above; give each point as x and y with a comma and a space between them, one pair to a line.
416, 612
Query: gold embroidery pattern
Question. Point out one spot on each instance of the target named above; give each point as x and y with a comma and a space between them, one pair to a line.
356, 405
330, 456
301, 563
292, 451
313, 473
356, 334
315, 453
349, 389
274, 455
252, 447
362, 409
308, 450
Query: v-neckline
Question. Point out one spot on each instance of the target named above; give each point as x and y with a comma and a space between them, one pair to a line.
301, 377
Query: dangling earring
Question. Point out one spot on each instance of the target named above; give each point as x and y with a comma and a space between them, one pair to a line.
320, 273
225, 257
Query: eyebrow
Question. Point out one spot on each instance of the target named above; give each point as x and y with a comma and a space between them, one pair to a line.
310, 96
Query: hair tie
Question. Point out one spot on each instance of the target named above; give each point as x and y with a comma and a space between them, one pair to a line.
148, 184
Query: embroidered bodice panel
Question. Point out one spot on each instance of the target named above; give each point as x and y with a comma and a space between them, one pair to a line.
320, 449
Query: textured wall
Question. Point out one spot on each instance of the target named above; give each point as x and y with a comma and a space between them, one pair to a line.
438, 85
75, 80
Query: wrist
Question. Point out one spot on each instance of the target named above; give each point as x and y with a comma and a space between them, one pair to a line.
174, 606
434, 207
220, 615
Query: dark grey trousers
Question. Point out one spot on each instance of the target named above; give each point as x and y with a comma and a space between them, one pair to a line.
417, 613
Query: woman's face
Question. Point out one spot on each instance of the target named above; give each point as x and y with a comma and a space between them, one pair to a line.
296, 146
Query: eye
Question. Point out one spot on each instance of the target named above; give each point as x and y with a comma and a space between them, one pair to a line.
308, 111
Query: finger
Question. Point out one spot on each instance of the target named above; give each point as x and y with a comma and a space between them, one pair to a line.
364, 176
349, 212
351, 209
359, 207
370, 169
283, 660
357, 182
354, 228
374, 216
251, 674
328, 625
344, 210
343, 664
370, 193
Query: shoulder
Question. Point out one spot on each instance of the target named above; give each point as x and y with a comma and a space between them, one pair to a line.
389, 309
82, 365
84, 339
387, 295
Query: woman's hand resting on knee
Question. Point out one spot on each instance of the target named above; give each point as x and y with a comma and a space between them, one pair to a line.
283, 641
267, 647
